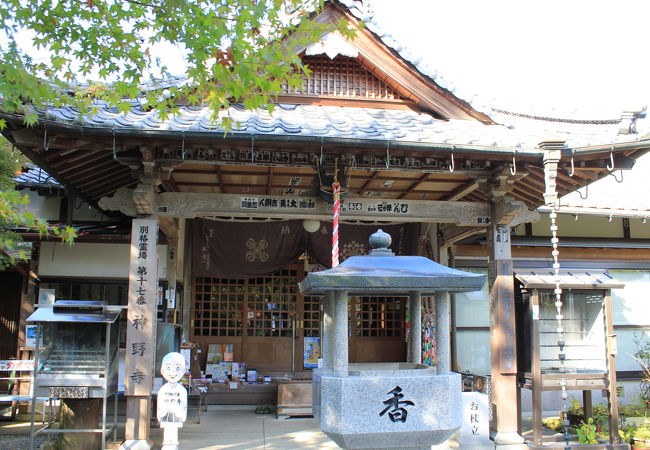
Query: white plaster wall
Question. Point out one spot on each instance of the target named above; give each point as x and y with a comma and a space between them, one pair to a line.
82, 211
91, 260
640, 229
44, 207
585, 226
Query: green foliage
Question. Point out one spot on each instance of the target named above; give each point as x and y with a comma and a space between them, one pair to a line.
641, 433
587, 432
234, 51
639, 436
13, 213
642, 357
554, 423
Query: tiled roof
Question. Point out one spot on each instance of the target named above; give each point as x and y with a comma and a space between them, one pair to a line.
33, 175
514, 132
346, 122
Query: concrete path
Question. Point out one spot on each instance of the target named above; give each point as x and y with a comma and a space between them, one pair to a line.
238, 427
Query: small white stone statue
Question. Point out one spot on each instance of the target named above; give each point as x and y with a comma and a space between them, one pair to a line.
172, 399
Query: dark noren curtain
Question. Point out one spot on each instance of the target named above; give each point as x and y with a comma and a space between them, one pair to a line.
248, 250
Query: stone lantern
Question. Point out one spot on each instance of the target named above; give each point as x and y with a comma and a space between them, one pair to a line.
384, 405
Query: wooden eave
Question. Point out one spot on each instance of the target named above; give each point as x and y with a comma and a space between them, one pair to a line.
86, 163
399, 74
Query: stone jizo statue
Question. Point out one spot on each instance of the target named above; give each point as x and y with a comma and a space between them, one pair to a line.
172, 399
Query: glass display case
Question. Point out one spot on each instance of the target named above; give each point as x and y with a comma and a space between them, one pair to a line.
76, 356
584, 332
581, 357
77, 351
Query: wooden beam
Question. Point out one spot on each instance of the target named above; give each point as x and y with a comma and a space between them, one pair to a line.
178, 204
94, 170
269, 181
374, 175
451, 234
220, 178
169, 226
58, 154
414, 185
80, 166
104, 175
105, 189
462, 191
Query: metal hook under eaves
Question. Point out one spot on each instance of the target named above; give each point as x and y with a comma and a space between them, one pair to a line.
610, 166
387, 154
46, 146
114, 147
513, 168
451, 166
573, 168
586, 192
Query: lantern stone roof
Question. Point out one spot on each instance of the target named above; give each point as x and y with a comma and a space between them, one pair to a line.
381, 272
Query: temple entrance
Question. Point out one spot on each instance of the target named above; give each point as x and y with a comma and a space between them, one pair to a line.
377, 331
258, 316
266, 320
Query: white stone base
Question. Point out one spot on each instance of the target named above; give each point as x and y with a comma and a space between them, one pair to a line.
509, 441
135, 444
353, 408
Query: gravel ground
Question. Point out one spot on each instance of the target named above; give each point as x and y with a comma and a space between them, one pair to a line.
19, 441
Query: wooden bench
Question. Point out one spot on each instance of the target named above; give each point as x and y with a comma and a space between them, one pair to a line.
294, 399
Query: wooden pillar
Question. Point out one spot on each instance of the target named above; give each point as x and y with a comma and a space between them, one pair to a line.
141, 329
187, 279
415, 339
612, 397
587, 404
172, 277
502, 335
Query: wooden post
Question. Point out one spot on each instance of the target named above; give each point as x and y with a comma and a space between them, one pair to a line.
502, 335
141, 328
172, 261
587, 404
80, 414
612, 395
187, 279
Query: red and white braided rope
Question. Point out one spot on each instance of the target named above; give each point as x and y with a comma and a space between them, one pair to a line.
336, 210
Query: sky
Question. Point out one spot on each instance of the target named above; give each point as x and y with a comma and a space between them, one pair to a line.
578, 58
589, 58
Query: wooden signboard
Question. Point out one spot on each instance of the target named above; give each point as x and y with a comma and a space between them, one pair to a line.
505, 301
141, 317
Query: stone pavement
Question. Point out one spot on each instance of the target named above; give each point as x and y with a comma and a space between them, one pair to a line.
223, 427
238, 427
